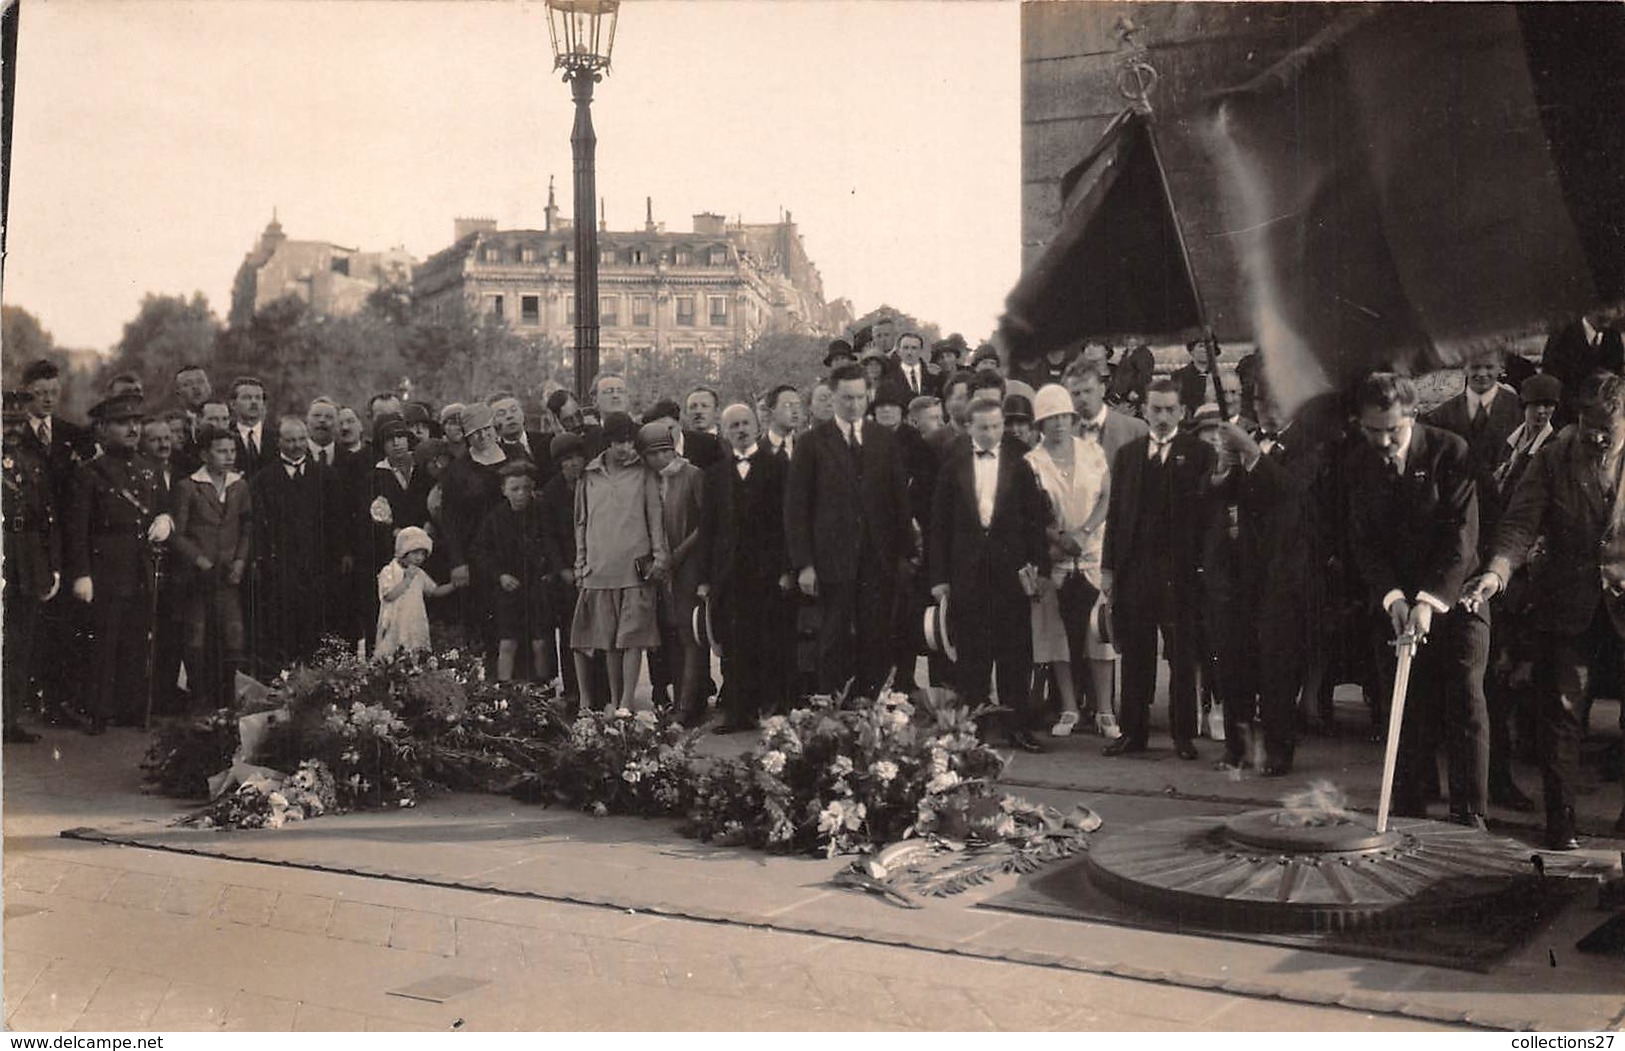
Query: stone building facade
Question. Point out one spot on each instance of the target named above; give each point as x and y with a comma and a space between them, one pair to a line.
708, 290
335, 281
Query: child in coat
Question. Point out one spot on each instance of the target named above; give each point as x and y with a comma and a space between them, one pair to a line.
509, 555
403, 619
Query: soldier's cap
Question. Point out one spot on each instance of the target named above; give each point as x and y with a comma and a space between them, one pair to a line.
1541, 389
388, 426
1207, 414
16, 403
654, 437
566, 445
118, 407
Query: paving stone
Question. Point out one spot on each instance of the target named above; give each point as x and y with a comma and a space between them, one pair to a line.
428, 932
494, 945
355, 921
253, 1013
87, 882
190, 897
863, 995
58, 996
249, 906
313, 1018
626, 962
792, 982
1016, 1013
39, 875
126, 1000
701, 972
22, 970
302, 913
188, 1006
938, 1007
556, 953
138, 890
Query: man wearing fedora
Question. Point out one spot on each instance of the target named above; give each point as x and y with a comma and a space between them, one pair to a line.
744, 574
988, 548
117, 516
32, 559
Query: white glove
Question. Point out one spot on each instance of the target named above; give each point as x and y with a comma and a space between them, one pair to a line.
56, 585
160, 529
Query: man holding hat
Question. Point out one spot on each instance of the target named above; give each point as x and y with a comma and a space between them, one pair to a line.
32, 559
117, 516
744, 573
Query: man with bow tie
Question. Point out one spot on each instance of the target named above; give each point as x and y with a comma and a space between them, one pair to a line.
846, 521
988, 551
1413, 534
1097, 421
744, 572
1149, 568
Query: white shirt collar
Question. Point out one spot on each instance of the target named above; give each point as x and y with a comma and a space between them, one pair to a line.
748, 453
1589, 329
1475, 399
202, 475
1100, 418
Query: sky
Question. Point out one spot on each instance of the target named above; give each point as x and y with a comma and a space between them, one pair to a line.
153, 139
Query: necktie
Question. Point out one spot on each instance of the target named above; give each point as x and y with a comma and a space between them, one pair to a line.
45, 431
742, 465
914, 378
1090, 430
1159, 449
321, 456
253, 446
984, 454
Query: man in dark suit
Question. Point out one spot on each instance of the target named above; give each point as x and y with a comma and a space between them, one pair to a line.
32, 561
192, 389
159, 446
988, 552
1483, 414
1195, 377
255, 446
298, 523
907, 367
1149, 568
847, 526
515, 440
1413, 534
744, 572
116, 516
1568, 499
1572, 353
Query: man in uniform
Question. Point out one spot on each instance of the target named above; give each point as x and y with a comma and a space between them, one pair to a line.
118, 514
32, 560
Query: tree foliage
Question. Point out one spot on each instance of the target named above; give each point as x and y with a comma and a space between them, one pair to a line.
167, 332
905, 323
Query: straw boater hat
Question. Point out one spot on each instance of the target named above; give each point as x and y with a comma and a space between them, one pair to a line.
937, 638
700, 625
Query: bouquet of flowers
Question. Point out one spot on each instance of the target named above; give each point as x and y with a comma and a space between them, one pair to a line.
186, 754
621, 763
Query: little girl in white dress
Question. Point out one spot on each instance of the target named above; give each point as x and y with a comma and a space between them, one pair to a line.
403, 619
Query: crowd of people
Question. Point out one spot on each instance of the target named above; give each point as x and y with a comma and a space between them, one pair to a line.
1039, 532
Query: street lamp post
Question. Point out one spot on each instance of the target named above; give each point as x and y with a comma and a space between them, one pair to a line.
583, 33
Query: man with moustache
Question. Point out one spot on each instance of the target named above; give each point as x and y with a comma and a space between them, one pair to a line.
1149, 568
117, 516
192, 389
847, 527
255, 448
1569, 499
32, 562
159, 446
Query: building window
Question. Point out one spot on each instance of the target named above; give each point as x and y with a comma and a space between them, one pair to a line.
719, 309
493, 306
493, 254
527, 255
719, 256
684, 257
570, 309
569, 254
606, 257
530, 310
685, 310
639, 256
682, 349
640, 310
609, 310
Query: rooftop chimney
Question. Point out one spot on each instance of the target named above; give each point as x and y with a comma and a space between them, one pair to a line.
710, 223
552, 206
649, 215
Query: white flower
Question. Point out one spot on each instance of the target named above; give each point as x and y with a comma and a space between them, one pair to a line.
632, 774
942, 782
773, 762
841, 766
899, 718
599, 809
774, 725
452, 655
646, 718
502, 705
885, 769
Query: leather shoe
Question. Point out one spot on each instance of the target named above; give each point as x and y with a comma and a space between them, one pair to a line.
1025, 741
1469, 819
1508, 795
1185, 750
1123, 746
1560, 830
